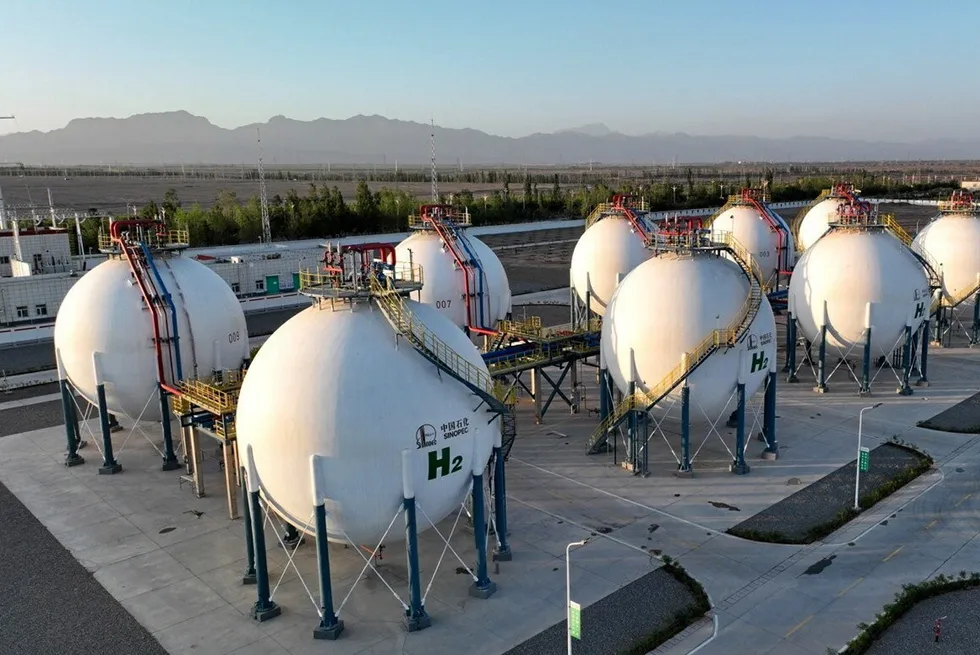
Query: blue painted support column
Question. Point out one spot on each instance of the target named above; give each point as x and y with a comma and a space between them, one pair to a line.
924, 356
264, 607
822, 356
771, 451
975, 330
866, 360
72, 458
416, 617
905, 389
605, 402
940, 319
915, 351
503, 552
248, 577
631, 430
170, 462
330, 626
109, 464
685, 466
739, 467
791, 342
483, 586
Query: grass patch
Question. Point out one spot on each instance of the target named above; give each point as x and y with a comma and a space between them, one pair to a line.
834, 494
904, 601
681, 619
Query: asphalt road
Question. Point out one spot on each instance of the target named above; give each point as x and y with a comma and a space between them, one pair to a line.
51, 604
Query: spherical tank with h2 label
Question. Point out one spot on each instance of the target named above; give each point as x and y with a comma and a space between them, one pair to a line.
344, 385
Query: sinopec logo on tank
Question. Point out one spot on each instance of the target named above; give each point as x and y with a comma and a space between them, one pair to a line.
425, 436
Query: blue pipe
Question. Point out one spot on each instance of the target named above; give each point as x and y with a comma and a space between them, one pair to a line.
170, 304
461, 239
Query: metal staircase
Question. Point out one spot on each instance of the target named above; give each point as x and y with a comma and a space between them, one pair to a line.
446, 221
728, 337
435, 350
757, 199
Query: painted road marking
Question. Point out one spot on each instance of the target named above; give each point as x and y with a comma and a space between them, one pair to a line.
962, 500
798, 626
932, 523
849, 587
893, 553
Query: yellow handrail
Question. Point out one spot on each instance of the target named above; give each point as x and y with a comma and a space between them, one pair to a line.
422, 337
798, 219
150, 238
728, 336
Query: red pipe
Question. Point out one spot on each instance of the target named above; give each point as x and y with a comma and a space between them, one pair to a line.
448, 241
114, 233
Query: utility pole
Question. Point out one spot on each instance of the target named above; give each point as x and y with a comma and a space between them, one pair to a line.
3, 216
435, 177
263, 194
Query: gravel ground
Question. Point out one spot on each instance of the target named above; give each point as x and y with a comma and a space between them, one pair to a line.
961, 417
619, 620
30, 417
912, 633
51, 604
820, 502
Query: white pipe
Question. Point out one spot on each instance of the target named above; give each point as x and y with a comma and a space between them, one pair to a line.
408, 477
316, 481
96, 369
252, 477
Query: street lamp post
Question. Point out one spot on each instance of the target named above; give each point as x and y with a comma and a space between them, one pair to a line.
857, 463
568, 592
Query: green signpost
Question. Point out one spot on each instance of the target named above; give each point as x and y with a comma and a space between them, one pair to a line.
865, 460
575, 619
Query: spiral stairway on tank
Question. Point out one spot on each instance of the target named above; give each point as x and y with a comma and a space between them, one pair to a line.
717, 339
499, 399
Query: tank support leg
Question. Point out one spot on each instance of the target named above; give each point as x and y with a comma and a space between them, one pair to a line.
109, 463
483, 586
114, 423
249, 576
684, 467
330, 626
71, 425
940, 315
791, 349
822, 362
264, 608
575, 397
291, 536
503, 552
536, 393
865, 363
416, 617
771, 451
739, 467
605, 399
905, 389
924, 356
915, 350
975, 329
170, 462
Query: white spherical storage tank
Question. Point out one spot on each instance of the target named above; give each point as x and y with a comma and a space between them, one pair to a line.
754, 232
445, 282
849, 269
603, 256
817, 221
665, 308
104, 313
342, 386
953, 241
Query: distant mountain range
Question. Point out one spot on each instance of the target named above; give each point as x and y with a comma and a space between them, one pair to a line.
180, 137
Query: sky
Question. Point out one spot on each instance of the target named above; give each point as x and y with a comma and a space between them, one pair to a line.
871, 69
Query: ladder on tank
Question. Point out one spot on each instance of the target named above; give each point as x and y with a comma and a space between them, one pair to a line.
717, 339
155, 295
625, 205
756, 198
499, 399
440, 218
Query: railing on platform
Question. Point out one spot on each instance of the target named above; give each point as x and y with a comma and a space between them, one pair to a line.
216, 395
157, 240
335, 282
429, 214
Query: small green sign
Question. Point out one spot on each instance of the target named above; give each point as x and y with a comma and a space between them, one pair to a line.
864, 462
575, 619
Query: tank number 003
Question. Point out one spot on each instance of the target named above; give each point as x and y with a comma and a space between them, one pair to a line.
443, 304
234, 336
443, 462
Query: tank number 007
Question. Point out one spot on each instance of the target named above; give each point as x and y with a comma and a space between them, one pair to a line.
443, 304
443, 463
234, 336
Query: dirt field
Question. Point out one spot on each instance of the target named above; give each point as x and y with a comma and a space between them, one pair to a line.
115, 193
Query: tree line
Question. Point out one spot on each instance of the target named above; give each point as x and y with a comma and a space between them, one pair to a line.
323, 211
